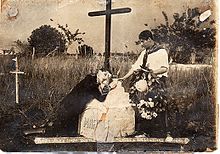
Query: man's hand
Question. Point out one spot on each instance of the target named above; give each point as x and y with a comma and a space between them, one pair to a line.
121, 79
113, 84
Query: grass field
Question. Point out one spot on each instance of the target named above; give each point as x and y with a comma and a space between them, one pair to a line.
48, 80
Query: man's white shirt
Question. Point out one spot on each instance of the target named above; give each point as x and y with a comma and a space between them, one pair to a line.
155, 60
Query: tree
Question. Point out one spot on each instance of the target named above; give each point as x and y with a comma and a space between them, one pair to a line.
47, 39
69, 36
186, 35
84, 50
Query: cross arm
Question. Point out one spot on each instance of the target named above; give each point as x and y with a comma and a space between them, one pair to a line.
16, 72
113, 11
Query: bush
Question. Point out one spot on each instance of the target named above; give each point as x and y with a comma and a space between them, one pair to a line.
47, 39
186, 35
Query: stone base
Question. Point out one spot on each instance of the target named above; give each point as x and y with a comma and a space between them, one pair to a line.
103, 121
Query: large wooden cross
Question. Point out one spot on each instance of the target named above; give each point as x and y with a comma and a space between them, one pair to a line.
108, 12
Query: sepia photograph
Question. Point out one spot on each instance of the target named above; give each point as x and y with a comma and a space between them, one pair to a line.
108, 75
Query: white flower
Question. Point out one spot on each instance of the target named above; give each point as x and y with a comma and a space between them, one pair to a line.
133, 105
142, 102
155, 114
151, 104
141, 85
141, 110
150, 99
148, 117
148, 112
143, 115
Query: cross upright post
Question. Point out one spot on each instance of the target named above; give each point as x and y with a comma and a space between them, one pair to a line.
1, 3
108, 34
108, 12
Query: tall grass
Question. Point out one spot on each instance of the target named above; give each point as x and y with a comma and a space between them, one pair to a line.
51, 78
191, 92
48, 80
187, 86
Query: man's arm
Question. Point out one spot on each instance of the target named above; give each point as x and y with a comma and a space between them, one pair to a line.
135, 66
130, 72
160, 70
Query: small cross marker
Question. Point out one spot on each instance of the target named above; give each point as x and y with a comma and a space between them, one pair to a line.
16, 72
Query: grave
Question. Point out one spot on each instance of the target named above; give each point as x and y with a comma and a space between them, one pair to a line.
104, 121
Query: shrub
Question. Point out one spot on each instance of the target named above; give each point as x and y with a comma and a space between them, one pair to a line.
46, 39
186, 35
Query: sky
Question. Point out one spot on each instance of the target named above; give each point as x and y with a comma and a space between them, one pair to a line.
31, 14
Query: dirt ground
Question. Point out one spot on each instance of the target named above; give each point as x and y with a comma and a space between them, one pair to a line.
13, 139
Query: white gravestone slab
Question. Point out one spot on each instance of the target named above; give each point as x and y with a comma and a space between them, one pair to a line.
103, 121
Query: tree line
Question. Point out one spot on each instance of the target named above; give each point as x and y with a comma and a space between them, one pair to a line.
184, 37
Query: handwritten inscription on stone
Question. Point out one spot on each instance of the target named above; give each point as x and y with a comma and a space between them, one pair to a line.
90, 123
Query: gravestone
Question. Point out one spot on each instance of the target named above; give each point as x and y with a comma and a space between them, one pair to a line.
103, 121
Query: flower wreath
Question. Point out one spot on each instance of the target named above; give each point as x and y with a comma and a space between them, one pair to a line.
147, 94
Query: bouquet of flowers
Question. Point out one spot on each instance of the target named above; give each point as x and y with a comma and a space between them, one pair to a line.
147, 94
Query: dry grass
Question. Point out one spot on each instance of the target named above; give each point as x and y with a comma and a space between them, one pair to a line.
48, 80
192, 93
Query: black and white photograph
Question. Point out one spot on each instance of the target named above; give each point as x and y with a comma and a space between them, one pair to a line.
108, 75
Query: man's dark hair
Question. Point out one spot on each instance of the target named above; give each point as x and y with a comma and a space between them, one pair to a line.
145, 35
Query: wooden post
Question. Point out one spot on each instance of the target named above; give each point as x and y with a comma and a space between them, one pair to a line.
33, 53
193, 58
77, 52
84, 49
16, 81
